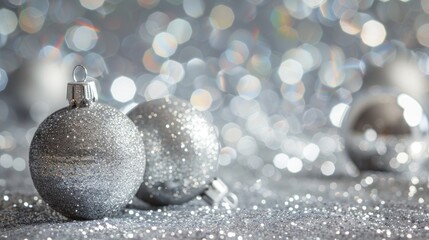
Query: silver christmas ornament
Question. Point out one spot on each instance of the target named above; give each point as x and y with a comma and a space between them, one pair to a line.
397, 68
86, 160
182, 152
386, 130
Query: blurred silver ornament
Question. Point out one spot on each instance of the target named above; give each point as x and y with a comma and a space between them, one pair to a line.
86, 159
397, 68
386, 130
182, 152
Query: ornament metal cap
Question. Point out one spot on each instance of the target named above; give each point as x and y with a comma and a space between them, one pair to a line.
218, 193
81, 93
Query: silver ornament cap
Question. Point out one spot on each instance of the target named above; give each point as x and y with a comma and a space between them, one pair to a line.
81, 93
218, 193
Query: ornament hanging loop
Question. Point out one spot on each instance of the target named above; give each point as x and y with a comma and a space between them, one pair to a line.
218, 193
230, 201
79, 73
81, 93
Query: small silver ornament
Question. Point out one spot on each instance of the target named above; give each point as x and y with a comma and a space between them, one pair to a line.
86, 159
182, 152
386, 130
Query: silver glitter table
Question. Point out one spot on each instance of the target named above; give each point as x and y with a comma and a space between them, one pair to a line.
371, 206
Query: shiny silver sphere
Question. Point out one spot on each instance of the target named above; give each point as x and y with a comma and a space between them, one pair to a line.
87, 163
385, 130
182, 150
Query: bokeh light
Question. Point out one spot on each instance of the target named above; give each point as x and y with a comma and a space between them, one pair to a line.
180, 29
156, 23
280, 161
156, 89
290, 71
194, 8
123, 89
201, 99
3, 79
151, 61
31, 20
423, 35
172, 71
373, 33
294, 165
327, 168
222, 17
148, 4
8, 20
91, 4
164, 44
249, 87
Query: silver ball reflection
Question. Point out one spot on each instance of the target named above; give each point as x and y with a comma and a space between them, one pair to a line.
182, 150
385, 130
87, 163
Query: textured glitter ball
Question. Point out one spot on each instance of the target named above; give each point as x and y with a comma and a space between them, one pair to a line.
182, 150
87, 163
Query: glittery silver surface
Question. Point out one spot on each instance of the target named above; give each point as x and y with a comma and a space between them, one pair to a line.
371, 206
182, 150
87, 163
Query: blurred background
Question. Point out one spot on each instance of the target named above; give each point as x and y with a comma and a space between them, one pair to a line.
294, 87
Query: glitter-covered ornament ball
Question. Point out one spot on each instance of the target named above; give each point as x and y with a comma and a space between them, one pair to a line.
87, 163
385, 130
182, 150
